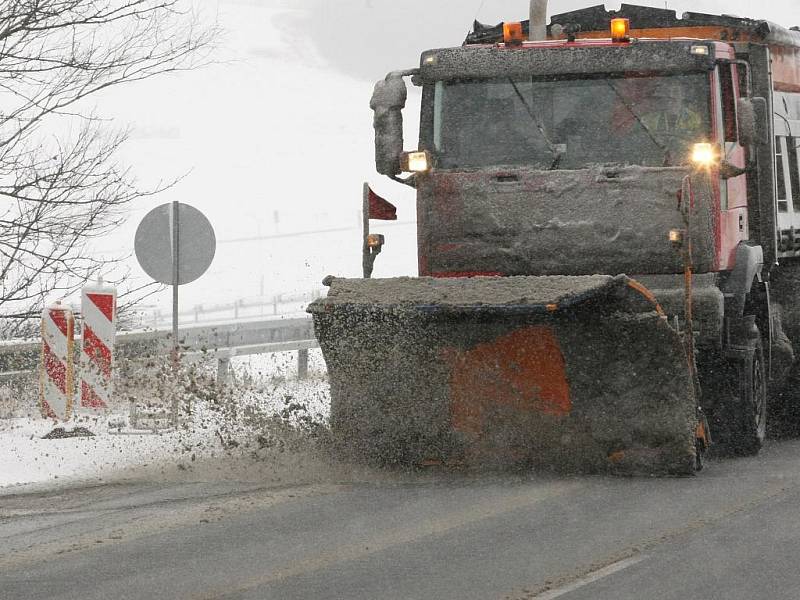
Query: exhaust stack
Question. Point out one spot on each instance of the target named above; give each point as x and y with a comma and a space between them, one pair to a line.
538, 22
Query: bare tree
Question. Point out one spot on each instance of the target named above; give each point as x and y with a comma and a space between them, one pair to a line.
61, 185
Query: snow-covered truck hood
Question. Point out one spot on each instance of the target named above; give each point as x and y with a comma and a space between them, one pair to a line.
520, 221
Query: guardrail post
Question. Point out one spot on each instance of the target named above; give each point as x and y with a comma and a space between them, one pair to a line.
223, 369
302, 364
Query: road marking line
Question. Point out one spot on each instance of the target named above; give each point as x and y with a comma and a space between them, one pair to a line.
591, 578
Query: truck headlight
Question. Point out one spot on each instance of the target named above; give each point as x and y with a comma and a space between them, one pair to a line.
704, 155
416, 162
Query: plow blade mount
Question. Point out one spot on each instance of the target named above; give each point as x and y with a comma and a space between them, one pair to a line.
579, 374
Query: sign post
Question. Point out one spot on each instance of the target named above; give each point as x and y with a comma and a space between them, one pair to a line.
176, 273
175, 244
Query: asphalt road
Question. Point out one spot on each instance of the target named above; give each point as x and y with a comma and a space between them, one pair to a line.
733, 532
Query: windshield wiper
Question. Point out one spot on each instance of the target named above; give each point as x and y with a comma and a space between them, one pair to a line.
553, 150
639, 120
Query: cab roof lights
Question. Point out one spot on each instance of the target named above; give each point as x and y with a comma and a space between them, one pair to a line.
620, 30
597, 18
513, 35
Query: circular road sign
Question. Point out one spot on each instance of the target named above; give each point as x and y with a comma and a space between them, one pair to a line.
196, 243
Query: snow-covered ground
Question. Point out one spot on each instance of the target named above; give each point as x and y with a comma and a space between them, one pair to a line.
245, 428
27, 458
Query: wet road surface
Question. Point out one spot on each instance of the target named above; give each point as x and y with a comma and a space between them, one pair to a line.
732, 532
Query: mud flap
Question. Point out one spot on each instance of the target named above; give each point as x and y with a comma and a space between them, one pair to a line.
570, 373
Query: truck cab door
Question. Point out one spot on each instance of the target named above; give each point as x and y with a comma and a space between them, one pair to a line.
734, 225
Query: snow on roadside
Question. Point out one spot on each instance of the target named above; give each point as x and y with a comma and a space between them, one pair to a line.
213, 434
27, 458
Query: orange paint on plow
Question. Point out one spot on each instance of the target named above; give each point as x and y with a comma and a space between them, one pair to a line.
522, 371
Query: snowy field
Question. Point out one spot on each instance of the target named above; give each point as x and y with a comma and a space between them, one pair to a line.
254, 427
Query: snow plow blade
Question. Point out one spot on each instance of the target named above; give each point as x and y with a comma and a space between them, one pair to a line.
574, 374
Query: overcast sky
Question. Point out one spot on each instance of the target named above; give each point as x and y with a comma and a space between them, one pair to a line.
362, 37
277, 138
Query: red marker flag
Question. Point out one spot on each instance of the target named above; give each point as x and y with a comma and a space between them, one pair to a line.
381, 209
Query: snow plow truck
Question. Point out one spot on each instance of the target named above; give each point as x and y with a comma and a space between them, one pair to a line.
608, 224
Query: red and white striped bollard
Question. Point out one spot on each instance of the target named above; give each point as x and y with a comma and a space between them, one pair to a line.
57, 371
99, 311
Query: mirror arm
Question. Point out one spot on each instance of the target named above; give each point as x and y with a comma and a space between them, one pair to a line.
404, 73
729, 171
748, 74
410, 181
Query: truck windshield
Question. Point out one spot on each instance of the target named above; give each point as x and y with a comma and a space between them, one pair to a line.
570, 123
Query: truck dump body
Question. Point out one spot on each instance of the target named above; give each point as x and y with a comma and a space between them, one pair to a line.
497, 370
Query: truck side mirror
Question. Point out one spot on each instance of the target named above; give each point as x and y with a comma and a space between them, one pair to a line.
388, 101
752, 114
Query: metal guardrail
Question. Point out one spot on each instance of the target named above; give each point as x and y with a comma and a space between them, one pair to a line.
256, 307
217, 341
249, 308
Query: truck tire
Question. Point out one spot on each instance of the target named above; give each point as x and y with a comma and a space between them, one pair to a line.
741, 418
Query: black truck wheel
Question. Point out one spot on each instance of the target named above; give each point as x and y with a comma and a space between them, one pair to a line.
741, 417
